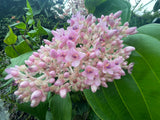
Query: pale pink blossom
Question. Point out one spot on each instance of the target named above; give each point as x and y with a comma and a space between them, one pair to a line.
74, 56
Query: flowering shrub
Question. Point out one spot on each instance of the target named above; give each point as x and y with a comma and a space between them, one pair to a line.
88, 54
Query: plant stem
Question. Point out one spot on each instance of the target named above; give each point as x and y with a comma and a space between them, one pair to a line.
137, 3
15, 49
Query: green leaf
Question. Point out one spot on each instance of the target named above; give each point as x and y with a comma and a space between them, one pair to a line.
112, 6
92, 4
21, 48
32, 33
31, 22
29, 7
20, 25
41, 30
135, 96
49, 116
39, 111
29, 14
61, 108
146, 29
156, 6
10, 52
6, 83
20, 59
10, 38
50, 35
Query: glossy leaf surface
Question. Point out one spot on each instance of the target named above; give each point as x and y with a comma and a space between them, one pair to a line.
92, 4
105, 7
40, 111
61, 108
21, 48
10, 38
146, 29
20, 25
135, 96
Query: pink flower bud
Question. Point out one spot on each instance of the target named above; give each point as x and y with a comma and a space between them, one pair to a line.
52, 73
24, 84
104, 84
63, 92
28, 62
53, 53
92, 55
89, 18
47, 59
131, 30
35, 102
17, 93
66, 74
114, 43
47, 42
33, 89
103, 79
52, 80
102, 16
47, 89
43, 98
33, 68
36, 94
59, 82
128, 49
82, 34
117, 14
94, 88
20, 97
35, 54
31, 84
31, 58
89, 29
103, 49
42, 64
14, 73
110, 33
85, 41
99, 64
126, 24
111, 22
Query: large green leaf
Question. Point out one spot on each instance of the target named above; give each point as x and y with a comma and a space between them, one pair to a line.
20, 59
40, 31
20, 25
40, 111
61, 108
10, 38
135, 96
92, 4
156, 6
105, 7
150, 29
21, 48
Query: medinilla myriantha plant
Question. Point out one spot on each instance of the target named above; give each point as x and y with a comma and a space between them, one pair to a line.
94, 55
87, 54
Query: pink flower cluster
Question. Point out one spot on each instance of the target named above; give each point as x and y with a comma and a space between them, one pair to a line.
88, 54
